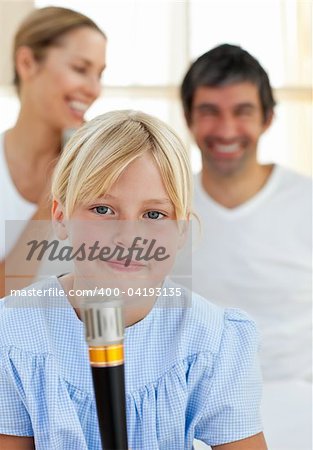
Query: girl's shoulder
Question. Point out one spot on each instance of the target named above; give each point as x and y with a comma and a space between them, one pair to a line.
29, 317
192, 324
211, 324
40, 329
187, 334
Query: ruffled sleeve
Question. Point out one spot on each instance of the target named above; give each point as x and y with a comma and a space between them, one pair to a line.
14, 418
228, 403
36, 401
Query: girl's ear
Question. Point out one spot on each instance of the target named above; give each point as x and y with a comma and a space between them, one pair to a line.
183, 226
58, 219
25, 63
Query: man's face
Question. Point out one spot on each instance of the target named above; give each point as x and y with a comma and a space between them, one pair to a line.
227, 123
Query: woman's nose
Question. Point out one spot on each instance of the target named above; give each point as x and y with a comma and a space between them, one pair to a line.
93, 87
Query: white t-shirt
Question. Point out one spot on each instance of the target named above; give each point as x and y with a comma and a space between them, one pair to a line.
12, 206
258, 257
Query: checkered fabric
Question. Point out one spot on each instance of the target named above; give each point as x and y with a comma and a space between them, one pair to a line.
191, 372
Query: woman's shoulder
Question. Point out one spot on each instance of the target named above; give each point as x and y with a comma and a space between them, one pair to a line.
2, 141
3, 161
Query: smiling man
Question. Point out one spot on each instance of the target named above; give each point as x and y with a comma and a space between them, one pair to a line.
255, 247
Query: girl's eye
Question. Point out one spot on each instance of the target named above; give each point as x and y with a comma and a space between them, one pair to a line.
102, 210
154, 215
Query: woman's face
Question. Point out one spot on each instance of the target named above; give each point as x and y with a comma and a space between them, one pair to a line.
67, 81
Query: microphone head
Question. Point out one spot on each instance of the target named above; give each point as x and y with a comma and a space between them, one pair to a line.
103, 320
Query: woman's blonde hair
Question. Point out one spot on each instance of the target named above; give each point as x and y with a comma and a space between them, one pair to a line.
43, 27
100, 151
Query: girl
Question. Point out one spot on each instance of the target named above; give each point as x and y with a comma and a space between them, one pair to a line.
59, 55
191, 369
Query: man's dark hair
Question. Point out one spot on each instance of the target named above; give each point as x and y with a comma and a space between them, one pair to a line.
224, 65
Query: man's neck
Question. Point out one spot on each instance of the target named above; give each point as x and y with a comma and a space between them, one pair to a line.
233, 191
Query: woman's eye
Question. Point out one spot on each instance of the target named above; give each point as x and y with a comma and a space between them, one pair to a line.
102, 210
154, 215
79, 69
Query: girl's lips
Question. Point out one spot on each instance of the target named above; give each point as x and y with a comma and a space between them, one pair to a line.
120, 266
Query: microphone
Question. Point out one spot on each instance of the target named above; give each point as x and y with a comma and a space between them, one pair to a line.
105, 335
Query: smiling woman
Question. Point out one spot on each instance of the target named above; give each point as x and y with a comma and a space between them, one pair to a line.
59, 55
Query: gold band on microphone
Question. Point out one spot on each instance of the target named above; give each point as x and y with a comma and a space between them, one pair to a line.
106, 356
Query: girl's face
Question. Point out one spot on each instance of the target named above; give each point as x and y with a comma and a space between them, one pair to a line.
67, 81
136, 213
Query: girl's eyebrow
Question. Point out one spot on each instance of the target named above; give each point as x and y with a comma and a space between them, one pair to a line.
158, 201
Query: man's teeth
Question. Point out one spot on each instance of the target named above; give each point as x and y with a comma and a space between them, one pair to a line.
79, 106
227, 148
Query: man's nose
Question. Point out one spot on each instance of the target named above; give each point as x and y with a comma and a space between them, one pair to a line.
226, 127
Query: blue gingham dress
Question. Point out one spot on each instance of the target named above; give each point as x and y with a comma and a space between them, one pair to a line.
191, 372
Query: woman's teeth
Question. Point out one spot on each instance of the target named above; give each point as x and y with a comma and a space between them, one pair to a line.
79, 106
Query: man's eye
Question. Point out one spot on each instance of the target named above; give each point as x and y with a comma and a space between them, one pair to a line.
206, 110
154, 215
102, 210
245, 112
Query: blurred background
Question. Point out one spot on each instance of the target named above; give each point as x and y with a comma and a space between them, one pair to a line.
152, 43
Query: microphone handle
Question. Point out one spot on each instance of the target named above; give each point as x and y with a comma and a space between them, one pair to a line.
105, 335
109, 387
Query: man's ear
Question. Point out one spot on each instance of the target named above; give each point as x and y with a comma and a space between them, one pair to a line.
58, 219
268, 120
25, 63
188, 119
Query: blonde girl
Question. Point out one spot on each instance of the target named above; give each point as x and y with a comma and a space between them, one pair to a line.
191, 367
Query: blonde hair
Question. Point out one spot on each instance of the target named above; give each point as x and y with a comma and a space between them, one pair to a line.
43, 27
100, 151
